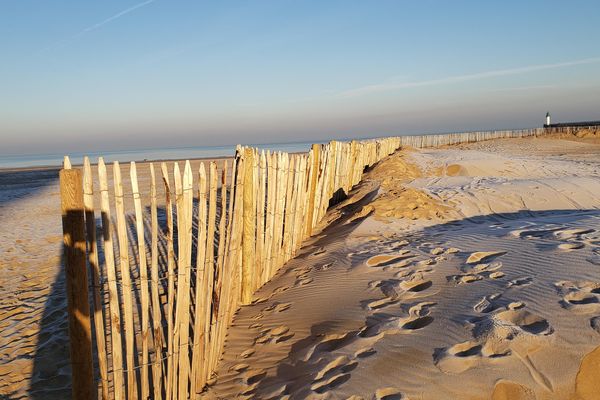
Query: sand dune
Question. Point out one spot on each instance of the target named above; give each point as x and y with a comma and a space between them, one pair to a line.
486, 287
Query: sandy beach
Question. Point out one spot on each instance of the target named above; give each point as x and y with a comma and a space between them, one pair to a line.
465, 272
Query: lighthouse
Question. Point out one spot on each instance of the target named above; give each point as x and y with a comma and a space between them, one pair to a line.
547, 119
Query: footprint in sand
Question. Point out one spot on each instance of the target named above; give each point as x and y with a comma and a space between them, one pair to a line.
247, 353
485, 267
325, 266
240, 367
464, 278
437, 251
277, 307
570, 246
489, 303
381, 303
331, 383
520, 282
529, 233
581, 297
466, 355
493, 335
566, 234
508, 324
385, 260
393, 289
333, 374
415, 285
365, 352
388, 393
253, 376
302, 270
478, 272
274, 335
302, 281
481, 256
384, 324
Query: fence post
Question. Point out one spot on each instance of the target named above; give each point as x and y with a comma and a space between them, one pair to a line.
80, 333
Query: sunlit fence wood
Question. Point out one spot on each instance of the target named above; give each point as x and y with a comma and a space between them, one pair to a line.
172, 262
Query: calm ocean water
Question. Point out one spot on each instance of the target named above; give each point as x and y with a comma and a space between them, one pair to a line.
37, 160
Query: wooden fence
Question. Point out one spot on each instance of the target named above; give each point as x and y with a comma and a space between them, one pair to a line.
171, 258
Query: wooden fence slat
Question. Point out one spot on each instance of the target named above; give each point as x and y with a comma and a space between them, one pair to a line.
132, 391
219, 271
180, 279
248, 241
183, 188
171, 361
210, 261
143, 265
287, 225
80, 333
228, 295
113, 291
312, 191
260, 221
157, 331
202, 298
269, 222
90, 222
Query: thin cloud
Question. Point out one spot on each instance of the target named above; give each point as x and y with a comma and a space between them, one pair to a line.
387, 87
98, 25
524, 88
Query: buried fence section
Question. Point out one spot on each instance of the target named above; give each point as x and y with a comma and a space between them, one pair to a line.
170, 263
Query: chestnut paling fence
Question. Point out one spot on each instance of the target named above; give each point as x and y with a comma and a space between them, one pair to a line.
158, 262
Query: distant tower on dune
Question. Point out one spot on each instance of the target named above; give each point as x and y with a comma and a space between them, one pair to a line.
547, 119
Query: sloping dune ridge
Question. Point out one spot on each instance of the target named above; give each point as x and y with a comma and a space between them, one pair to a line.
467, 272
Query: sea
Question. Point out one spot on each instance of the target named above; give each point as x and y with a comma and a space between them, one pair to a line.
175, 153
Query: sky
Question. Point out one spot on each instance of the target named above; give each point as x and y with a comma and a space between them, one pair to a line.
112, 75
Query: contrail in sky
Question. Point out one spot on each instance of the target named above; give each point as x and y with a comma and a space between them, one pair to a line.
116, 16
387, 87
98, 25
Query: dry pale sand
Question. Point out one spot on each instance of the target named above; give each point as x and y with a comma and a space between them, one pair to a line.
468, 272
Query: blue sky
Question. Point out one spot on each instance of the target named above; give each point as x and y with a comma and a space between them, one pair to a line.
77, 75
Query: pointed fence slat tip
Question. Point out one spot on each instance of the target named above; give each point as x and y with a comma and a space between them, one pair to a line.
67, 163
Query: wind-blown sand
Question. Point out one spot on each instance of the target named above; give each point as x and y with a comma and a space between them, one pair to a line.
468, 272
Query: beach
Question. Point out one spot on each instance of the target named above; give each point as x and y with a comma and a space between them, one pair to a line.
468, 271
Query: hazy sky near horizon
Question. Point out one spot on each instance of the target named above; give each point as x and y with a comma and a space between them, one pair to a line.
109, 75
